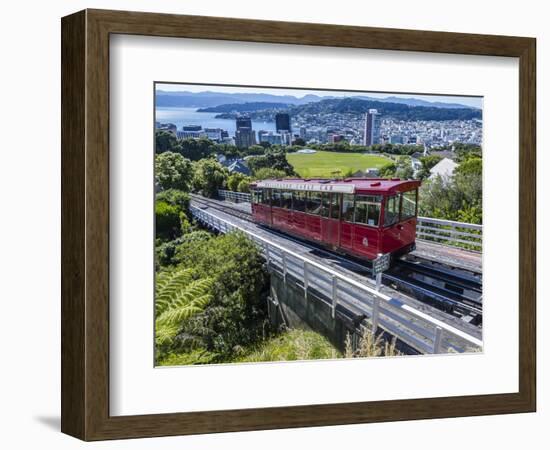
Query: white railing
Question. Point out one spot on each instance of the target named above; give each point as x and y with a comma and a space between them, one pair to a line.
458, 234
419, 330
236, 197
448, 232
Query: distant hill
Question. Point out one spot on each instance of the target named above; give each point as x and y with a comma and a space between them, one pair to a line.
348, 105
209, 99
245, 107
416, 102
212, 99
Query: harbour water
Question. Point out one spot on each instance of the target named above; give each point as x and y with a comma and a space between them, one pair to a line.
190, 116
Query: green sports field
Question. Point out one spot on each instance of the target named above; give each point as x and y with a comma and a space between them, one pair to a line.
324, 164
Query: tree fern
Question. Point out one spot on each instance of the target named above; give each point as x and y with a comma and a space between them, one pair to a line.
178, 297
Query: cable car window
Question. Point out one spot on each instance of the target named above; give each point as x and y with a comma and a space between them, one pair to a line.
257, 196
409, 202
391, 213
276, 198
367, 209
348, 207
266, 197
335, 206
313, 202
286, 199
325, 204
299, 201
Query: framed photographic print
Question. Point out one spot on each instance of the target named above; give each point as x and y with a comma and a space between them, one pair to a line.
270, 224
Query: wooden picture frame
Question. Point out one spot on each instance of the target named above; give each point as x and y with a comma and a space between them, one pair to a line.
85, 224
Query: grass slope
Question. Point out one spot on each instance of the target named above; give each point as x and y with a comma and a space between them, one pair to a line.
323, 164
292, 345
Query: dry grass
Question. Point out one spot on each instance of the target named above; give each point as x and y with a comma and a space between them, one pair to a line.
370, 346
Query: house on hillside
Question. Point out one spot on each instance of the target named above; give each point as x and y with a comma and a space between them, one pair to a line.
443, 169
239, 166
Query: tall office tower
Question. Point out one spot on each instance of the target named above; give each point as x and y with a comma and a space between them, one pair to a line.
244, 134
282, 122
244, 122
372, 128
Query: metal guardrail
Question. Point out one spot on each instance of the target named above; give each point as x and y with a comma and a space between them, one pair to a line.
419, 330
448, 232
233, 196
458, 234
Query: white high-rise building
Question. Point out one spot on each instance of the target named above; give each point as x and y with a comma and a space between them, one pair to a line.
372, 128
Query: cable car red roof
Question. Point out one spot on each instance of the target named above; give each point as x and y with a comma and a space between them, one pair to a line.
346, 186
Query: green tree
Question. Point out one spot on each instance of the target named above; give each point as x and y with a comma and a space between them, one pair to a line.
165, 141
267, 173
196, 149
173, 171
210, 176
470, 166
388, 170
458, 198
167, 221
175, 197
244, 185
427, 163
404, 171
272, 159
234, 179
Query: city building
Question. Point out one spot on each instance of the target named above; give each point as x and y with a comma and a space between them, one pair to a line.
244, 134
282, 122
190, 132
244, 138
244, 122
167, 127
334, 138
397, 139
214, 134
191, 128
270, 137
372, 128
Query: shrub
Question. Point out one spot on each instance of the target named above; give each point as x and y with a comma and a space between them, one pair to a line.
167, 220
237, 315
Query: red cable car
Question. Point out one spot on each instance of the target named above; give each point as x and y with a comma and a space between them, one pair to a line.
358, 216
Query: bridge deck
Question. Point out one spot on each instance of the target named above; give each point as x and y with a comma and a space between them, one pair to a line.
342, 265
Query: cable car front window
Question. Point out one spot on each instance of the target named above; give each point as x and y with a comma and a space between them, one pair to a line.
391, 212
408, 204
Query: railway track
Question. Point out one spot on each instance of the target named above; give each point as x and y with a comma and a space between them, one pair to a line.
455, 291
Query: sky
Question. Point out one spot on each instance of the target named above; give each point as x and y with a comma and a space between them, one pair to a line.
472, 101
